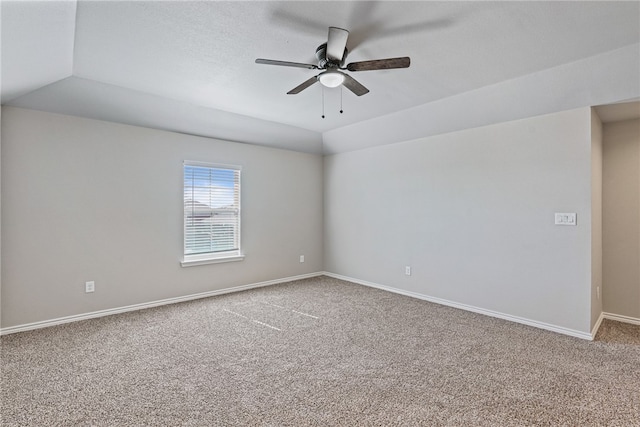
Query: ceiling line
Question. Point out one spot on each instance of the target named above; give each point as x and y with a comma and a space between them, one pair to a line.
75, 35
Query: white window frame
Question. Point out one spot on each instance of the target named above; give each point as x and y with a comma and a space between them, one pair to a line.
189, 260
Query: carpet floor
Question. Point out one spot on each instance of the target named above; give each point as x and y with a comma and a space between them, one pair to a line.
317, 352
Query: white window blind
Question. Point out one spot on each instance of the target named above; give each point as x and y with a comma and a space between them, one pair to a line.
211, 211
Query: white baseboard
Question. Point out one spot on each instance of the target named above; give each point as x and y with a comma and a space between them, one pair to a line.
142, 306
621, 318
516, 319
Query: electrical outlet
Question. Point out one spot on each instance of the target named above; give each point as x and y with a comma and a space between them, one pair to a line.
90, 286
407, 270
301, 258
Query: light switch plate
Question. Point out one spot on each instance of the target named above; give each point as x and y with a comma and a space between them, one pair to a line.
567, 218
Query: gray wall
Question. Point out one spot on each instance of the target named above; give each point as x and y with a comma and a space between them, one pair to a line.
0, 214
596, 218
621, 218
89, 200
473, 213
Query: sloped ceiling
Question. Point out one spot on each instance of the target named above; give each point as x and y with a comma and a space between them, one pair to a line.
37, 45
189, 66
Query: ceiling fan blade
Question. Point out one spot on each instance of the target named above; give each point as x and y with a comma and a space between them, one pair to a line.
380, 64
336, 43
303, 86
286, 64
354, 86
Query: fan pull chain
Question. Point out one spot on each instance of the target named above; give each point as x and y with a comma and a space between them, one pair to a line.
323, 102
341, 100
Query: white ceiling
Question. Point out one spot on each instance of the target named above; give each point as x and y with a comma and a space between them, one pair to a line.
618, 112
189, 66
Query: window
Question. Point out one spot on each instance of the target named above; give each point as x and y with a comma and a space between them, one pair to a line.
211, 213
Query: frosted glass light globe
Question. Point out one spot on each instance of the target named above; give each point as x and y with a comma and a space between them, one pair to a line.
331, 78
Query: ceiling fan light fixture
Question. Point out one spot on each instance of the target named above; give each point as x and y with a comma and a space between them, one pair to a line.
331, 78
331, 58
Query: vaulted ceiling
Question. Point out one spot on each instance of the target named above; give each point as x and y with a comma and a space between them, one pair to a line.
189, 66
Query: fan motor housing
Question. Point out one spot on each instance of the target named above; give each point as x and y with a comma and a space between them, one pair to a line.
323, 62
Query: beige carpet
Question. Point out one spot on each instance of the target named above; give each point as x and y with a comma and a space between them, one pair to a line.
318, 352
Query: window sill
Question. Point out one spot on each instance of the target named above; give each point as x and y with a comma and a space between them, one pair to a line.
214, 260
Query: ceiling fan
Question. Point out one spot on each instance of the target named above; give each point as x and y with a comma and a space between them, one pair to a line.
331, 57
